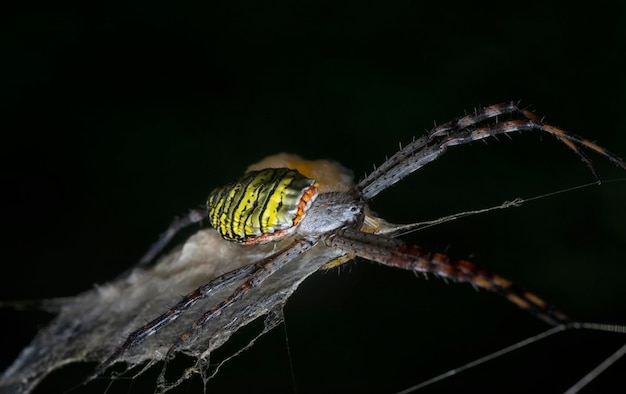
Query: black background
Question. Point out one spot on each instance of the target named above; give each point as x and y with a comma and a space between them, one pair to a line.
117, 117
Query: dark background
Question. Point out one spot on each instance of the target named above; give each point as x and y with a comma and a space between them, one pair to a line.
118, 117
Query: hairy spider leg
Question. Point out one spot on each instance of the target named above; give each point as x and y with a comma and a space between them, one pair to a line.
395, 253
457, 132
204, 291
261, 271
179, 223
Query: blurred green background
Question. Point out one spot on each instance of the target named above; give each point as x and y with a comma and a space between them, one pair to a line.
120, 116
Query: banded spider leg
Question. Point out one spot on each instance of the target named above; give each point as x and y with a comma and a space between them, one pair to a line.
465, 130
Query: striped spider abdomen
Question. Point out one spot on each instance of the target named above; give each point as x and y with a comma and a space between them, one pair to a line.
261, 206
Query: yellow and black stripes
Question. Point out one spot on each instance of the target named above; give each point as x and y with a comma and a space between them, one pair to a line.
261, 206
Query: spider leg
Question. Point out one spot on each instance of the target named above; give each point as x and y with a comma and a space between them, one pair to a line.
461, 131
449, 128
179, 223
174, 312
259, 273
395, 253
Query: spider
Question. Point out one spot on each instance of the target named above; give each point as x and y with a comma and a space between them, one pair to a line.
283, 220
296, 205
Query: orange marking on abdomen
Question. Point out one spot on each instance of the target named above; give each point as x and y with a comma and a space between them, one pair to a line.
308, 194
